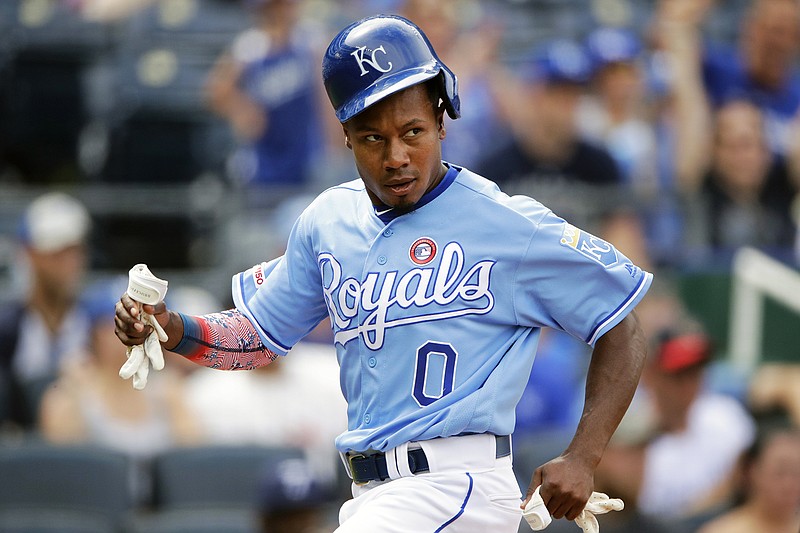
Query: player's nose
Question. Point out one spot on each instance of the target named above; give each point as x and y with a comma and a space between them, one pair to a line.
395, 155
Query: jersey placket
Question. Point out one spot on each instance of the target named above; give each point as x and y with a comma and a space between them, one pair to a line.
381, 261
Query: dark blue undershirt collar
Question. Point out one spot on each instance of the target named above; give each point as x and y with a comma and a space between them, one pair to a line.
387, 214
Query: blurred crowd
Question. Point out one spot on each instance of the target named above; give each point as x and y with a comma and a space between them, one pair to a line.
667, 127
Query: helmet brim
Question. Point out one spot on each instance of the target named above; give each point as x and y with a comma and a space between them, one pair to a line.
387, 86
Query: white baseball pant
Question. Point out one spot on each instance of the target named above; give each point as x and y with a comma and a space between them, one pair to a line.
467, 490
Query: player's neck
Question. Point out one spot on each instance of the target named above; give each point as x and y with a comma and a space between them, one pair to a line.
434, 183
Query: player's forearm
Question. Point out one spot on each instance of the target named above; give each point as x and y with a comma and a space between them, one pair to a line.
613, 376
225, 341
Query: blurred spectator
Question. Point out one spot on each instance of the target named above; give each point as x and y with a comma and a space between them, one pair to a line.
292, 499
616, 115
622, 113
467, 38
305, 385
89, 403
739, 191
547, 144
267, 88
771, 483
776, 386
549, 159
686, 119
678, 468
760, 68
747, 189
745, 194
45, 327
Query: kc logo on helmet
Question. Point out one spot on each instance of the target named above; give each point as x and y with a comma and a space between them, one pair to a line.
360, 55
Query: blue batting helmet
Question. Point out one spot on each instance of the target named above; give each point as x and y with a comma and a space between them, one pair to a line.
379, 56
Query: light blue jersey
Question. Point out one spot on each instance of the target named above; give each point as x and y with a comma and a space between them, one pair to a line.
436, 313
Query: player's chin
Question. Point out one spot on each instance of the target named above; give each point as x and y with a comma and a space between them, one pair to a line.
405, 200
403, 205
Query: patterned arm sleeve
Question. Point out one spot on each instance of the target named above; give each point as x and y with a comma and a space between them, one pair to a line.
225, 341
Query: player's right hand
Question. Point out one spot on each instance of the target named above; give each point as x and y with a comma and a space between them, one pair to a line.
129, 327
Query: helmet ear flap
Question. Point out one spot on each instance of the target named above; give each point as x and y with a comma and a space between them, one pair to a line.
449, 92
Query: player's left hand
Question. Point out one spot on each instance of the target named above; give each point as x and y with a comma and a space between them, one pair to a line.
566, 485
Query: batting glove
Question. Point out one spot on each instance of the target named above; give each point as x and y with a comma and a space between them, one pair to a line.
538, 518
535, 512
598, 503
145, 288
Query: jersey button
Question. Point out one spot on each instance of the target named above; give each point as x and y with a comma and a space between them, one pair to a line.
381, 259
367, 418
388, 232
372, 362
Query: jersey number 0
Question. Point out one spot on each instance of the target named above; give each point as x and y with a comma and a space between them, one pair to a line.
435, 372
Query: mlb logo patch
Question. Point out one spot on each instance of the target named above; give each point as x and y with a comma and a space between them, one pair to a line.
422, 251
587, 244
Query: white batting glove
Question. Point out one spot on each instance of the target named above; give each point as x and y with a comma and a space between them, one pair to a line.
145, 288
599, 503
535, 512
538, 518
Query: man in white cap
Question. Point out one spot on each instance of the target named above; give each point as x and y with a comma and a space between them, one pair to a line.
44, 326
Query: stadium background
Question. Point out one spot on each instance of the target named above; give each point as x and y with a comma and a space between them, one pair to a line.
113, 113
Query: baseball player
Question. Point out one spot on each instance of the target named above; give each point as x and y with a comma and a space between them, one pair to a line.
437, 285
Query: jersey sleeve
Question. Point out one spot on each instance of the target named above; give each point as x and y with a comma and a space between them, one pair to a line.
576, 282
283, 297
245, 284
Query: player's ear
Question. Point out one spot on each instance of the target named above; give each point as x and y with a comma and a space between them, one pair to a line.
442, 129
346, 137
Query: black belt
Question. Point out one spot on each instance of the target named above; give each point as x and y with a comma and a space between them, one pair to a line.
372, 467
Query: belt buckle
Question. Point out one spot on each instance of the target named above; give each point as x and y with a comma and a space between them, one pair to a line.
350, 458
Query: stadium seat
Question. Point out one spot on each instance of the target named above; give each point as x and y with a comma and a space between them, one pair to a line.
208, 25
160, 129
82, 479
216, 476
45, 50
207, 520
37, 520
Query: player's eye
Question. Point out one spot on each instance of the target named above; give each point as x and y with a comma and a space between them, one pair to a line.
372, 138
414, 132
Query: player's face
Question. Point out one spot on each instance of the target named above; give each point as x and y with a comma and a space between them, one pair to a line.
397, 147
